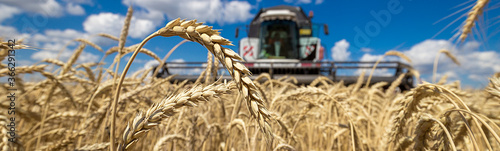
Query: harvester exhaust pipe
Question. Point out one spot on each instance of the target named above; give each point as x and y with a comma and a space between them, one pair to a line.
236, 32
325, 27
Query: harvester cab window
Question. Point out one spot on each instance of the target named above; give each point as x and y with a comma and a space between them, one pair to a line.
278, 40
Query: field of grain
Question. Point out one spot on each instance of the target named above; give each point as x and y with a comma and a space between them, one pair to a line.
92, 106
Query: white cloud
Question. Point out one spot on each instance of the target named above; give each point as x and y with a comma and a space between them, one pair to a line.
65, 55
79, 1
56, 39
319, 2
8, 32
477, 77
372, 58
42, 9
475, 65
75, 9
236, 11
339, 51
195, 71
8, 12
203, 10
112, 24
150, 64
49, 43
377, 72
49, 8
52, 41
451, 76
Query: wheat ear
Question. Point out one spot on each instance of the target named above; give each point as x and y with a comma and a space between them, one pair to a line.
89, 43
283, 146
211, 39
473, 15
423, 133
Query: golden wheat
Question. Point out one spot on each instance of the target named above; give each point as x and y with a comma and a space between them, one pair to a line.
69, 109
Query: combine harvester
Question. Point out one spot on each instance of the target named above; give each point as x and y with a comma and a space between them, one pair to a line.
282, 41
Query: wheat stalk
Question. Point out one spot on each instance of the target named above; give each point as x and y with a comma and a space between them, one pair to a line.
61, 144
89, 43
121, 44
447, 53
53, 61
108, 36
209, 68
423, 133
98, 146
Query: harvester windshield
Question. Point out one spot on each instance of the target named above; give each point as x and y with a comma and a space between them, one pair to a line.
278, 39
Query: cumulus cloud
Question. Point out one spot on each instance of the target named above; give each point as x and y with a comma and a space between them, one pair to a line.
52, 41
372, 58
112, 24
476, 65
150, 64
340, 52
49, 8
378, 72
366, 50
203, 10
89, 2
42, 8
9, 32
75, 9
8, 12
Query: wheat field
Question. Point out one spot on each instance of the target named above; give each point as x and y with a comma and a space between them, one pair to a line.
93, 106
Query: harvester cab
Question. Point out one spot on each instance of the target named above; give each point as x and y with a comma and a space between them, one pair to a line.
281, 35
282, 40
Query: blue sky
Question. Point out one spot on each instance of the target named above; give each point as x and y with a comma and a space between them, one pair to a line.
411, 29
